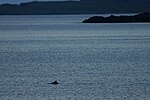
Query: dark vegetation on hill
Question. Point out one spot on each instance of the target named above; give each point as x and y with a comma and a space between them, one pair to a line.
76, 7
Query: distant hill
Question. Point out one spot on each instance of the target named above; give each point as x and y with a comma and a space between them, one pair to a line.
76, 7
142, 17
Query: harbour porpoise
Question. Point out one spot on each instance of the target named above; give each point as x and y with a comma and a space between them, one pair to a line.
55, 83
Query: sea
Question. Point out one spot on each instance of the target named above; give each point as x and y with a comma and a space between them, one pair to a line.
90, 61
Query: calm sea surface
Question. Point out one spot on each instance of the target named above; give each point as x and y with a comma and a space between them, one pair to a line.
90, 61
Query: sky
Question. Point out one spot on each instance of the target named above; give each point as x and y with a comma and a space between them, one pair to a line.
19, 1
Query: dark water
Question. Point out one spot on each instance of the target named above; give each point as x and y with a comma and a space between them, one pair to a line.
90, 61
